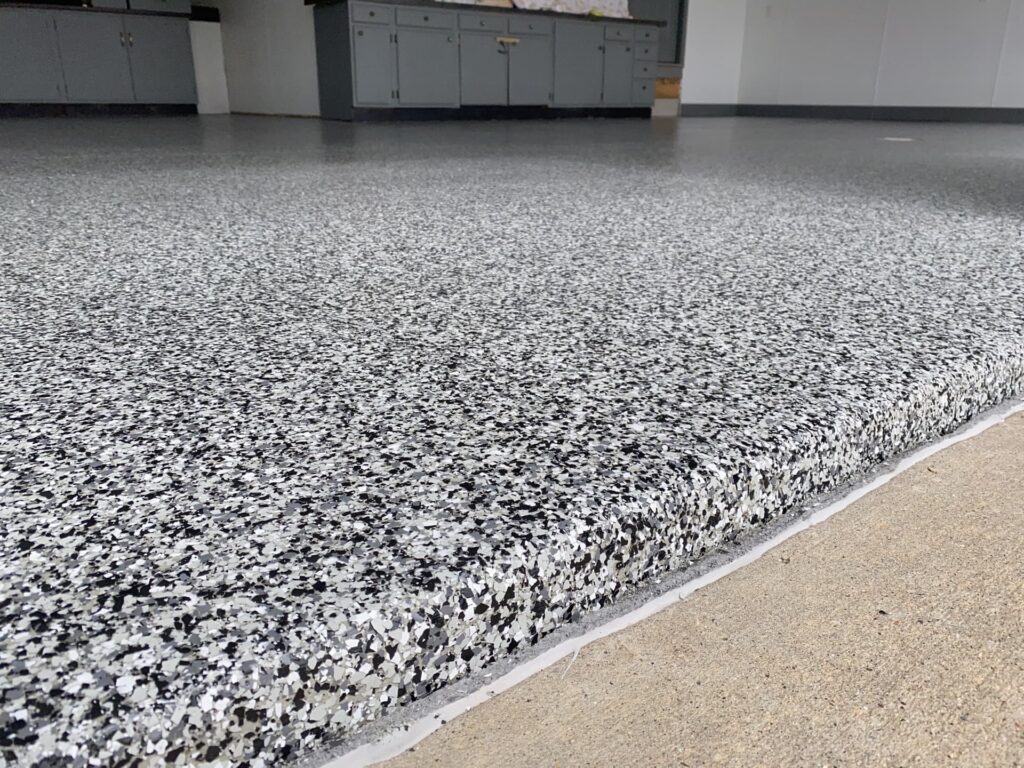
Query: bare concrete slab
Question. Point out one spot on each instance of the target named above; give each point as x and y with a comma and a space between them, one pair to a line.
891, 635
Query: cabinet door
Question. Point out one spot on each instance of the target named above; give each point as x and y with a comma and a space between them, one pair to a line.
618, 72
160, 52
579, 63
483, 66
373, 65
530, 71
29, 62
94, 52
428, 68
643, 93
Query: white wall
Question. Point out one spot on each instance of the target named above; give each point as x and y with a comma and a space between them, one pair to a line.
941, 52
270, 56
712, 74
208, 59
1010, 82
954, 53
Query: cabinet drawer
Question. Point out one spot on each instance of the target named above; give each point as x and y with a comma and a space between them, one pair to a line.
426, 17
646, 52
167, 6
646, 34
488, 22
644, 68
618, 32
372, 14
643, 92
531, 25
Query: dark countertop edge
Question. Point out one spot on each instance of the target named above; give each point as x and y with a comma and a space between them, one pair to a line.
57, 7
491, 8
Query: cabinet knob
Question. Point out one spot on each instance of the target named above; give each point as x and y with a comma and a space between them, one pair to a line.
426, 18
373, 13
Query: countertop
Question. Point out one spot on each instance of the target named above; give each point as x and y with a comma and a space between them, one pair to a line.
488, 9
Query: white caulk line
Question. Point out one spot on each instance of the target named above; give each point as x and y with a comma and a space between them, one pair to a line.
399, 741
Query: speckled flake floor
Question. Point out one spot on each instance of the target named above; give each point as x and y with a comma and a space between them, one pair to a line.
299, 421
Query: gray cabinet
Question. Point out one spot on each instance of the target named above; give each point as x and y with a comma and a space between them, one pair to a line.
160, 54
377, 55
643, 93
579, 63
94, 52
645, 56
617, 87
162, 6
374, 65
30, 68
530, 71
92, 57
428, 66
483, 68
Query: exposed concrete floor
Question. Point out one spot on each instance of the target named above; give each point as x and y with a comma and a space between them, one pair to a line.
891, 635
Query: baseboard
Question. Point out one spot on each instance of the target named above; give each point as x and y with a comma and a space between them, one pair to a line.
19, 109
708, 110
842, 112
494, 113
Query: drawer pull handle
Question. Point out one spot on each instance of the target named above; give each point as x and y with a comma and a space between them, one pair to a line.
508, 40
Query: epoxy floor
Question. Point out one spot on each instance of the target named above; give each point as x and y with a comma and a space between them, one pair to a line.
302, 420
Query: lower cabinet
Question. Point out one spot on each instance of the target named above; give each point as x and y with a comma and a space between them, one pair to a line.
377, 55
94, 51
160, 55
505, 69
92, 57
373, 57
531, 71
617, 88
428, 67
643, 93
579, 63
483, 69
29, 60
